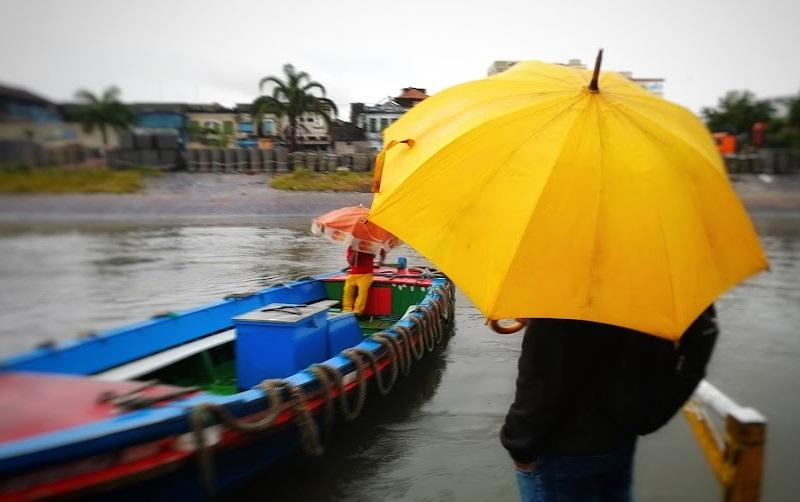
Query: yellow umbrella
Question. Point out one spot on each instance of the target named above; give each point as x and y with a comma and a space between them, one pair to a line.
542, 196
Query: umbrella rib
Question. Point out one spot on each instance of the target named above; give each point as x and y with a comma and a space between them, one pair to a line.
622, 112
536, 204
665, 247
596, 239
671, 281
622, 108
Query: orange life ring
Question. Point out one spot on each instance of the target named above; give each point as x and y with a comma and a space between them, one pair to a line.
508, 329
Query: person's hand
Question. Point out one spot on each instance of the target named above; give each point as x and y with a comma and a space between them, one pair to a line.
526, 467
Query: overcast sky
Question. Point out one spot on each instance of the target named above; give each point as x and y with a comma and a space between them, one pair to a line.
361, 50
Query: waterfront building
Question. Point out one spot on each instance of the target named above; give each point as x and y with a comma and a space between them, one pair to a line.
162, 117
214, 117
348, 139
313, 131
246, 131
654, 85
373, 119
28, 118
411, 96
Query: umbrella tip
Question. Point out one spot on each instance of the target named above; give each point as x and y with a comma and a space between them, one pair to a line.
593, 84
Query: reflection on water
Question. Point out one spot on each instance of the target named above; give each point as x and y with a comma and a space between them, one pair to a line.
436, 437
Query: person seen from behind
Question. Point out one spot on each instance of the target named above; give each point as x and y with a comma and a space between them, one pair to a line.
356, 286
584, 392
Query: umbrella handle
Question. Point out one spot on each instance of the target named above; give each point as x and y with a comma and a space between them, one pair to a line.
376, 182
507, 329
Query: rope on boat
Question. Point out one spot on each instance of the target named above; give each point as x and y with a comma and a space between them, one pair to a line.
426, 331
438, 309
383, 388
165, 313
239, 296
109, 396
309, 432
441, 311
200, 414
327, 421
390, 342
405, 337
334, 377
134, 400
444, 299
447, 296
403, 356
198, 419
432, 313
405, 334
440, 326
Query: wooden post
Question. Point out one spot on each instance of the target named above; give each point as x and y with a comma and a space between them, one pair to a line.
744, 449
707, 439
738, 464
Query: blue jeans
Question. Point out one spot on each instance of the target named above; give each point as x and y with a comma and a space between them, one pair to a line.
596, 478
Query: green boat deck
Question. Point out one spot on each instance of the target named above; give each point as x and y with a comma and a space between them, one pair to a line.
214, 370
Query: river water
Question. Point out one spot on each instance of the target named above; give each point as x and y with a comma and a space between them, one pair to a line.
435, 437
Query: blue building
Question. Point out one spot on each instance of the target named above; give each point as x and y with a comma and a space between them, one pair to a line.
162, 116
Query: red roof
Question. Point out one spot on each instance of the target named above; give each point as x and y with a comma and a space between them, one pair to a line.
413, 93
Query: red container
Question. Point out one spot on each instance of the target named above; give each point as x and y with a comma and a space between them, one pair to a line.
379, 301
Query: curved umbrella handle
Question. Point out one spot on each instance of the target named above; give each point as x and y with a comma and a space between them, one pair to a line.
507, 329
376, 182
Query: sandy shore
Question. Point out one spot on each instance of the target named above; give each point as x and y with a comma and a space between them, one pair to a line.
207, 198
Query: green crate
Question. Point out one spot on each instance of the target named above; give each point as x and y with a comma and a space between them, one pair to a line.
334, 289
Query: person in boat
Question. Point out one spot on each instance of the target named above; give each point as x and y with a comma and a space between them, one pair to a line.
584, 392
356, 286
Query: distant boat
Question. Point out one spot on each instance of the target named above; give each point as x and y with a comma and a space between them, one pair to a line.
189, 403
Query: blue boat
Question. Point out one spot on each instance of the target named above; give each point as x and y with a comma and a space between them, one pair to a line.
189, 403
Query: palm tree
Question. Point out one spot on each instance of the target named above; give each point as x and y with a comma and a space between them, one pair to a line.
103, 112
290, 98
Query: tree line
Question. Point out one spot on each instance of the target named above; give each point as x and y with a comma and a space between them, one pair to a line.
738, 111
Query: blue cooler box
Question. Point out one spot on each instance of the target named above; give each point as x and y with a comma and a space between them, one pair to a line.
343, 332
279, 340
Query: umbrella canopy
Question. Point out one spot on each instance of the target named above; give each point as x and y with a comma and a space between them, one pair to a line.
542, 197
349, 226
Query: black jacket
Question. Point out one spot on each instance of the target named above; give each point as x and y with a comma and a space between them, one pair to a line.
584, 388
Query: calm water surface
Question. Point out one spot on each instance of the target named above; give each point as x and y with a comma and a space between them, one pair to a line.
436, 437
